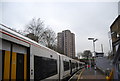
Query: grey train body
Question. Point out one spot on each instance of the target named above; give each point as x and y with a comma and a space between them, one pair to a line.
25, 59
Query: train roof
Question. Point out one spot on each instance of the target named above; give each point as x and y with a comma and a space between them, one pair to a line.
8, 30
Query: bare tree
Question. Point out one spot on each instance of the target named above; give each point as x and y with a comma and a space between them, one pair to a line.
49, 38
46, 36
36, 27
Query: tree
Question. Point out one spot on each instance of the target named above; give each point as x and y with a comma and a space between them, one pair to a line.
45, 36
49, 38
87, 54
35, 27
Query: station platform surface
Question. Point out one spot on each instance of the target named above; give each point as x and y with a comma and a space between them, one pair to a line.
88, 75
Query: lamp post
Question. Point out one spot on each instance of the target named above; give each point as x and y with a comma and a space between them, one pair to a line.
94, 40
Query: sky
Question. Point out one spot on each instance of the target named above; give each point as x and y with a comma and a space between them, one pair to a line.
83, 18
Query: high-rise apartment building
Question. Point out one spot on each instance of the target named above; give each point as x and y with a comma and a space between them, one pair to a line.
66, 43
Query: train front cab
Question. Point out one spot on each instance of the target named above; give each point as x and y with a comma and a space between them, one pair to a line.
13, 61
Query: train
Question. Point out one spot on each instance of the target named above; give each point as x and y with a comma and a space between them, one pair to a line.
24, 59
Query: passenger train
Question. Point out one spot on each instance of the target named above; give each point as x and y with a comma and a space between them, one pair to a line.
24, 59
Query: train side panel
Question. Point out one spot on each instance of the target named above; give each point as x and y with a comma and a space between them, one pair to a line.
66, 66
44, 63
22, 58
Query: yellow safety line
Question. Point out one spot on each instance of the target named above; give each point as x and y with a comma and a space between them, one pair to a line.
80, 74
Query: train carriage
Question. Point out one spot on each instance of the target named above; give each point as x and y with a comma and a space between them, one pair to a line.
46, 64
23, 59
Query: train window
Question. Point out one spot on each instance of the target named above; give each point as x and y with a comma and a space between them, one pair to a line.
44, 67
66, 65
73, 65
76, 64
80, 64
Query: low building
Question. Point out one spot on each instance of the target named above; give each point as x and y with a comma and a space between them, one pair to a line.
99, 54
32, 36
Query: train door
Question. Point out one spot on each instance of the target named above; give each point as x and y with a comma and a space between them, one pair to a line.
14, 61
59, 68
70, 67
20, 67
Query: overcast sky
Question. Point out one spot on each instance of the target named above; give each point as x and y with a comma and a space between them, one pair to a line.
85, 19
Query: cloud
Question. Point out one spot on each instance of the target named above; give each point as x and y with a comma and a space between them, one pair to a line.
59, 0
91, 19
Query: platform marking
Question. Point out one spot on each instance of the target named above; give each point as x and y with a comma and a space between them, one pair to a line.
80, 74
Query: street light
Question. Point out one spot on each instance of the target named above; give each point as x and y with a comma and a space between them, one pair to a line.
94, 40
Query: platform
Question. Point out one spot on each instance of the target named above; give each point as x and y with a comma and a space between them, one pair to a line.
88, 75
